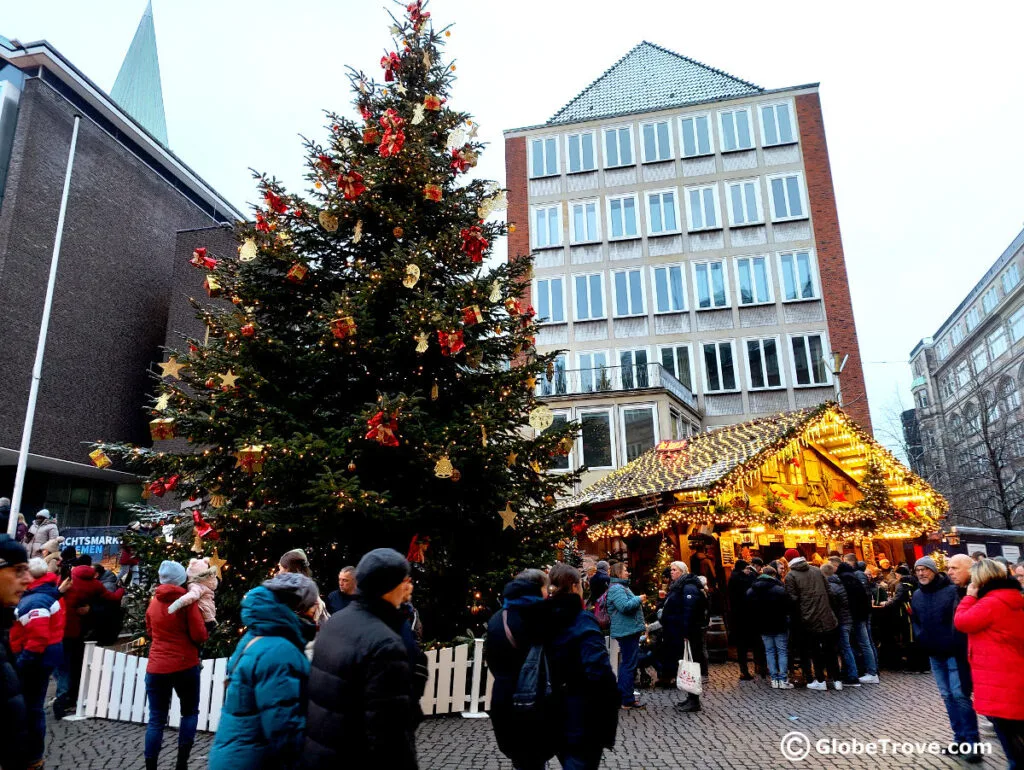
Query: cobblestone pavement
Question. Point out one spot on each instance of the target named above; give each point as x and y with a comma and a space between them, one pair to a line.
740, 727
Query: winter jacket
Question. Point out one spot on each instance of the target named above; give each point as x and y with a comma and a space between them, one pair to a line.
862, 578
39, 534
769, 606
263, 721
740, 582
806, 586
127, 557
13, 716
337, 601
856, 592
106, 618
175, 638
598, 585
840, 601
993, 623
38, 632
86, 589
527, 615
587, 698
625, 610
934, 606
21, 532
202, 583
52, 558
361, 694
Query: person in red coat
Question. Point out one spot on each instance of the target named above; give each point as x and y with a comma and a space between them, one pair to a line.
992, 616
173, 664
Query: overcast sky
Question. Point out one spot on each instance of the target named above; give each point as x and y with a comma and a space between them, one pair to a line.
923, 108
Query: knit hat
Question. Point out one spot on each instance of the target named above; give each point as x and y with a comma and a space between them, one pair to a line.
294, 589
929, 562
53, 546
791, 553
797, 560
43, 514
12, 553
602, 566
37, 567
380, 571
171, 573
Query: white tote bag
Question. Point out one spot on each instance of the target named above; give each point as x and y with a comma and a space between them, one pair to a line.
688, 676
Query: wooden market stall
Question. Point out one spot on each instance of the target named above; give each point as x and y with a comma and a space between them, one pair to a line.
810, 479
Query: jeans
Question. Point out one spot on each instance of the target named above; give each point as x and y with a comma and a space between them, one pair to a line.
580, 759
629, 649
846, 651
861, 635
1011, 735
158, 693
69, 674
776, 648
822, 647
35, 678
963, 720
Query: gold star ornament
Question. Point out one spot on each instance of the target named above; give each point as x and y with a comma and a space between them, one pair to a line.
171, 368
216, 562
508, 517
228, 379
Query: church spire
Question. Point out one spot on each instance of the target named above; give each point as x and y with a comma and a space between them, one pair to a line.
137, 88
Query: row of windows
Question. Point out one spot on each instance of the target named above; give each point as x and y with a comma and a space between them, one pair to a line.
693, 135
620, 219
1003, 401
711, 280
987, 350
989, 301
718, 361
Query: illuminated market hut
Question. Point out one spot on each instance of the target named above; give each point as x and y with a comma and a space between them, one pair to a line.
810, 479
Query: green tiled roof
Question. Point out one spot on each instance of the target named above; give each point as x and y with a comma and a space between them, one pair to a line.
650, 78
137, 88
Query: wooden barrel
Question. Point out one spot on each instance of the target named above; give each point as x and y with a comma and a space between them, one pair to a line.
717, 640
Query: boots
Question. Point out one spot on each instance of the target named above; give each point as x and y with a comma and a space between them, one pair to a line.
183, 751
151, 763
688, 706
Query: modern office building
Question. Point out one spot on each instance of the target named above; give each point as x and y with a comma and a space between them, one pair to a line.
687, 255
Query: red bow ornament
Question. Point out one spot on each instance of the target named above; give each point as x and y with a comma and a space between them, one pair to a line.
431, 102
471, 315
390, 63
383, 428
394, 137
275, 202
462, 159
201, 259
451, 342
203, 528
371, 135
416, 14
262, 224
473, 243
351, 185
325, 163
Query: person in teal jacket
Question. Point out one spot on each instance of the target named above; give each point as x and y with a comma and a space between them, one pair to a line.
626, 612
263, 721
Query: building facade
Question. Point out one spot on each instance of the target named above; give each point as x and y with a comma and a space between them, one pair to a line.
967, 401
687, 255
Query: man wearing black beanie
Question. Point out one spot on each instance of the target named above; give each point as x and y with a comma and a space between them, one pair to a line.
14, 581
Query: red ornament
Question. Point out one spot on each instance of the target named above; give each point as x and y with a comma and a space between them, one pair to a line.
275, 202
157, 488
417, 553
390, 63
432, 192
211, 383
343, 327
326, 164
203, 528
471, 315
364, 110
460, 160
201, 259
451, 342
513, 306
262, 224
912, 507
172, 482
371, 135
248, 331
351, 185
297, 273
416, 14
432, 102
383, 428
473, 243
838, 497
394, 137
579, 525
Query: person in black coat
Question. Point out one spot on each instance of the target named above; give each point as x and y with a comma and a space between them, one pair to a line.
599, 582
14, 581
340, 599
362, 695
860, 611
770, 610
682, 620
586, 693
521, 623
740, 630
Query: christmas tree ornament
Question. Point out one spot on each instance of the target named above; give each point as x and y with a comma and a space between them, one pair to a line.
401, 89
284, 238
531, 383
161, 429
462, 160
422, 342
218, 501
200, 258
247, 251
432, 102
168, 532
275, 202
535, 467
383, 428
250, 458
417, 553
210, 383
451, 342
228, 380
541, 418
412, 277
456, 139
263, 225
197, 544
495, 295
357, 232
565, 446
398, 232
394, 137
99, 458
217, 563
328, 221
426, 59
432, 192
435, 391
202, 527
443, 468
162, 403
508, 517
512, 457
390, 63
471, 315
351, 467
512, 228
157, 488
247, 330
371, 135
343, 327
475, 358
417, 115
212, 286
456, 474
351, 185
297, 273
483, 435
496, 202
473, 243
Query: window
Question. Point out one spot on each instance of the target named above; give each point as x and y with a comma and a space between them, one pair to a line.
776, 124
702, 208
581, 152
963, 374
744, 200
584, 222
547, 227
559, 462
972, 418
556, 384
618, 147
947, 387
657, 141
662, 215
990, 299
752, 280
942, 349
669, 292
710, 285
809, 359
972, 319
979, 357
787, 197
550, 300
696, 136
629, 292
922, 399
796, 276
997, 344
1010, 278
735, 130
1017, 325
622, 217
719, 367
638, 430
543, 157
763, 364
957, 334
589, 290
675, 419
676, 360
596, 430
594, 372
1009, 394
633, 368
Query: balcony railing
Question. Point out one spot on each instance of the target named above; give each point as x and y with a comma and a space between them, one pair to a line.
607, 379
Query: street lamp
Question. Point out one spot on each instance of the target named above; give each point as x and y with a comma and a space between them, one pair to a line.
838, 363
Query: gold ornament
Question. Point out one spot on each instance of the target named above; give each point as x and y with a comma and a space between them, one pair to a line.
434, 391
417, 115
99, 458
197, 545
508, 517
512, 456
456, 474
426, 59
422, 342
398, 232
328, 221
351, 466
412, 276
218, 501
483, 436
227, 380
217, 563
535, 467
162, 403
250, 458
161, 429
357, 232
443, 469
495, 295
247, 251
171, 368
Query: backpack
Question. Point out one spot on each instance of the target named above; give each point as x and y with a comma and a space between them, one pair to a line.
601, 612
532, 701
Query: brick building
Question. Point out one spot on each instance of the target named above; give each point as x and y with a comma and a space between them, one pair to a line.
687, 255
129, 197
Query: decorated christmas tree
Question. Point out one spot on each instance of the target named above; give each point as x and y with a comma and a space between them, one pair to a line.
365, 379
